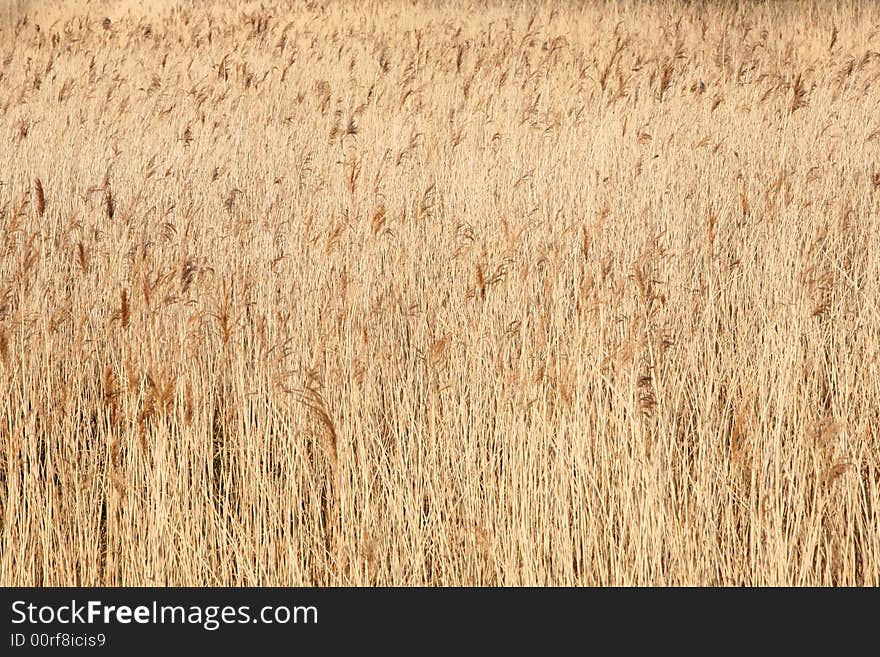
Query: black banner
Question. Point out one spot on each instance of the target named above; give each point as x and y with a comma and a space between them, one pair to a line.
112, 620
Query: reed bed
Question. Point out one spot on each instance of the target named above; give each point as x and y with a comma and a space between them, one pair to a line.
420, 293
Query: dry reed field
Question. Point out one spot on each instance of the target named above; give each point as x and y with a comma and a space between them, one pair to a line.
422, 293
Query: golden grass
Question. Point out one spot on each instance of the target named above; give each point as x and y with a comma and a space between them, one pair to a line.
439, 293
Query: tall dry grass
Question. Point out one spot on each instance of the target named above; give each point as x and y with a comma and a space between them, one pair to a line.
439, 293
